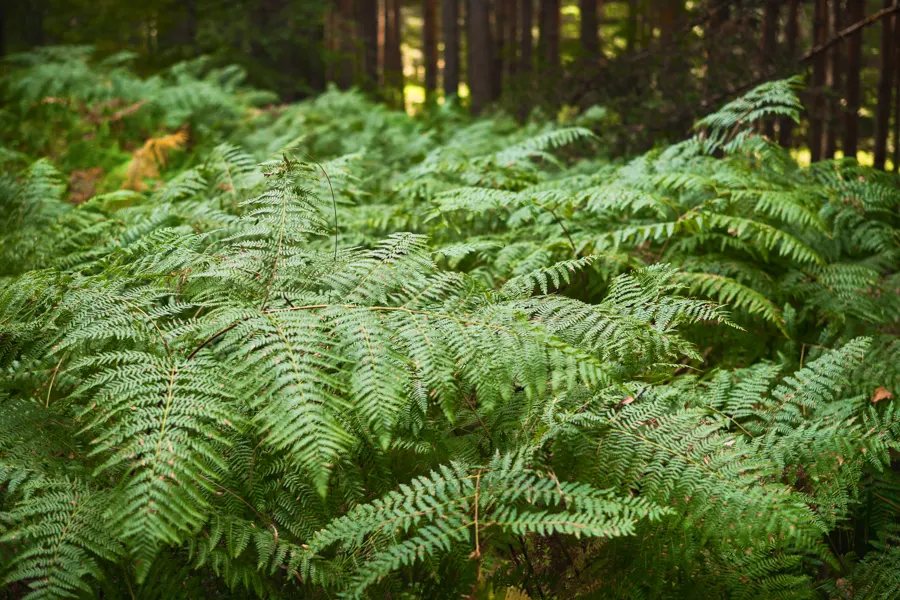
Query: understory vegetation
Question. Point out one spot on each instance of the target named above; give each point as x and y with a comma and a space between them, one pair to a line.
330, 350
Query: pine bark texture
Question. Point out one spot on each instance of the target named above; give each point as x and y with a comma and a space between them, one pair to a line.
855, 13
548, 39
590, 42
450, 32
885, 88
430, 47
480, 54
817, 105
833, 79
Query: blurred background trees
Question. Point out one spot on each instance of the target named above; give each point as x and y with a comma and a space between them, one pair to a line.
655, 65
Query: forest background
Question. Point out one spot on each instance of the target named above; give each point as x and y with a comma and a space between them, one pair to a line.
489, 299
657, 65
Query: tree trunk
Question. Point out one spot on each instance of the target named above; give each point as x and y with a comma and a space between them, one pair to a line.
189, 27
429, 47
346, 43
512, 33
767, 54
669, 13
855, 13
897, 94
480, 56
885, 88
498, 35
548, 40
450, 31
834, 83
526, 44
631, 26
393, 58
786, 128
590, 42
368, 29
34, 23
817, 105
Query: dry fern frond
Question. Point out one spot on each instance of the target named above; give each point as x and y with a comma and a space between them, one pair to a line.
153, 155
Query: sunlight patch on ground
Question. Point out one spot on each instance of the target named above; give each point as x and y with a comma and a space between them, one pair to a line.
866, 159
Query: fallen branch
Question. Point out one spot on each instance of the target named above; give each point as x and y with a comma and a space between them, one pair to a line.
842, 34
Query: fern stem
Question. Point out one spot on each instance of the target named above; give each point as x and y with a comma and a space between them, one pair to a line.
410, 311
730, 418
477, 553
237, 497
52, 379
333, 200
277, 253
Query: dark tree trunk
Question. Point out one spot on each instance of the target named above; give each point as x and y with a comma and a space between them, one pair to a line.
526, 59
897, 94
188, 28
330, 44
346, 42
450, 31
669, 13
885, 88
834, 82
792, 31
429, 47
590, 42
817, 105
512, 35
480, 56
526, 44
548, 31
393, 59
855, 13
631, 26
498, 35
767, 54
34, 26
368, 32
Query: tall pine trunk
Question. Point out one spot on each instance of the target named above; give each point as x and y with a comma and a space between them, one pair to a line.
393, 58
430, 47
817, 105
367, 14
855, 13
526, 58
792, 32
885, 88
512, 35
498, 35
631, 26
767, 53
835, 72
590, 42
346, 43
526, 44
897, 94
450, 31
478, 27
548, 32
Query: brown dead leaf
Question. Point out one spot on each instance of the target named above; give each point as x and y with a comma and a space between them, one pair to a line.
628, 400
83, 184
881, 394
150, 158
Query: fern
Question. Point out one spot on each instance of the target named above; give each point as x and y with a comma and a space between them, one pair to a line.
442, 358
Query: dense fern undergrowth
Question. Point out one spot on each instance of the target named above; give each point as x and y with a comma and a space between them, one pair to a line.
328, 350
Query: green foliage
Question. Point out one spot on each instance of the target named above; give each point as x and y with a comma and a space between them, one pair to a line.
469, 360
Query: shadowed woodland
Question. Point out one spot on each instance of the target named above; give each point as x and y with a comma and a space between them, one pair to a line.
484, 299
